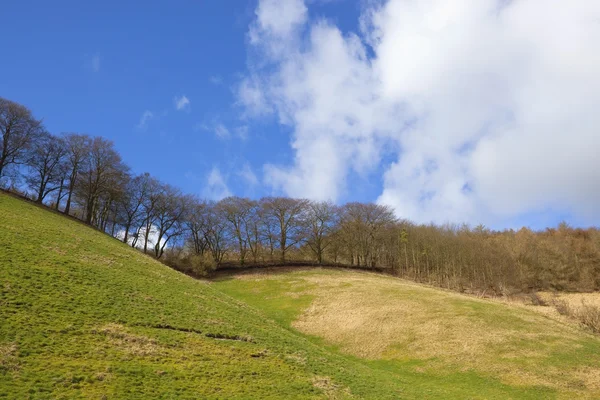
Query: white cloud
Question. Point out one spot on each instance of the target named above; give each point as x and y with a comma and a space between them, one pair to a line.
152, 238
96, 62
181, 103
144, 119
490, 106
216, 80
242, 132
278, 18
216, 188
222, 132
248, 176
251, 97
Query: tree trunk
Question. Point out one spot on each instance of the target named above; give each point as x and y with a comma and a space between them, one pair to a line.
59, 196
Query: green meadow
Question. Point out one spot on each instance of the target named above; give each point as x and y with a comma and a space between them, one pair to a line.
83, 315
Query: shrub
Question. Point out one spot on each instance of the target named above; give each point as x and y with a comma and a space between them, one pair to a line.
191, 264
588, 315
537, 300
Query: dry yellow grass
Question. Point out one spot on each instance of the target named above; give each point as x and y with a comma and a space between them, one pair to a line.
8, 357
330, 388
573, 299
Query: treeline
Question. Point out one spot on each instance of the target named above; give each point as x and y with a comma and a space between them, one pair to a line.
85, 177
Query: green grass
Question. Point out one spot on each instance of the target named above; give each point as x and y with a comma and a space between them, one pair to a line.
85, 316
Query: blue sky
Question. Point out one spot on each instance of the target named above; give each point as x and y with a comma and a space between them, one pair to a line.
276, 96
98, 67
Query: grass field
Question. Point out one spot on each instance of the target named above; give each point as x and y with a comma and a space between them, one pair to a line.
84, 316
406, 328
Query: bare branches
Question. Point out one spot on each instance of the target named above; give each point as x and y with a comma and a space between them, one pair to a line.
18, 132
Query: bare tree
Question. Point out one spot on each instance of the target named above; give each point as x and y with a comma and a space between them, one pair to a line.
236, 211
288, 218
131, 203
153, 191
101, 172
216, 233
171, 208
322, 218
78, 151
362, 225
110, 200
45, 161
253, 230
196, 222
18, 131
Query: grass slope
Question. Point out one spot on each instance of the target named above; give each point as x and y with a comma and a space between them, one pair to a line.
479, 346
84, 316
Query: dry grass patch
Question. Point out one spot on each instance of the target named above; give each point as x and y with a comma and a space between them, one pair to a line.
330, 388
573, 299
8, 357
134, 344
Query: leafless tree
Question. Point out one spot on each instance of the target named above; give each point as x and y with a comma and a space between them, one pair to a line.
46, 158
322, 219
171, 207
237, 212
362, 224
131, 203
153, 190
286, 217
102, 172
18, 132
78, 152
216, 233
196, 222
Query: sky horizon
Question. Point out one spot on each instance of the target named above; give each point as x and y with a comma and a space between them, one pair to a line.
474, 111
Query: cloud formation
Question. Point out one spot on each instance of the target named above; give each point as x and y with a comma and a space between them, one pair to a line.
216, 187
96, 62
144, 119
248, 176
489, 107
221, 131
181, 103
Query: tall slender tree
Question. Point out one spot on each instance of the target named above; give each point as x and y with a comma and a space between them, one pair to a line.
78, 152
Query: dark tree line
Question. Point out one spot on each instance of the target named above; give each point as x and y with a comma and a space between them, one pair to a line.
85, 177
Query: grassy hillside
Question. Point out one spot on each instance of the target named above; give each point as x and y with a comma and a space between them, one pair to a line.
407, 329
84, 316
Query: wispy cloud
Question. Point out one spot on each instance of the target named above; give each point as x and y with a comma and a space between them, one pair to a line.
242, 132
248, 176
144, 119
96, 62
181, 103
92, 62
216, 188
222, 132
216, 80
